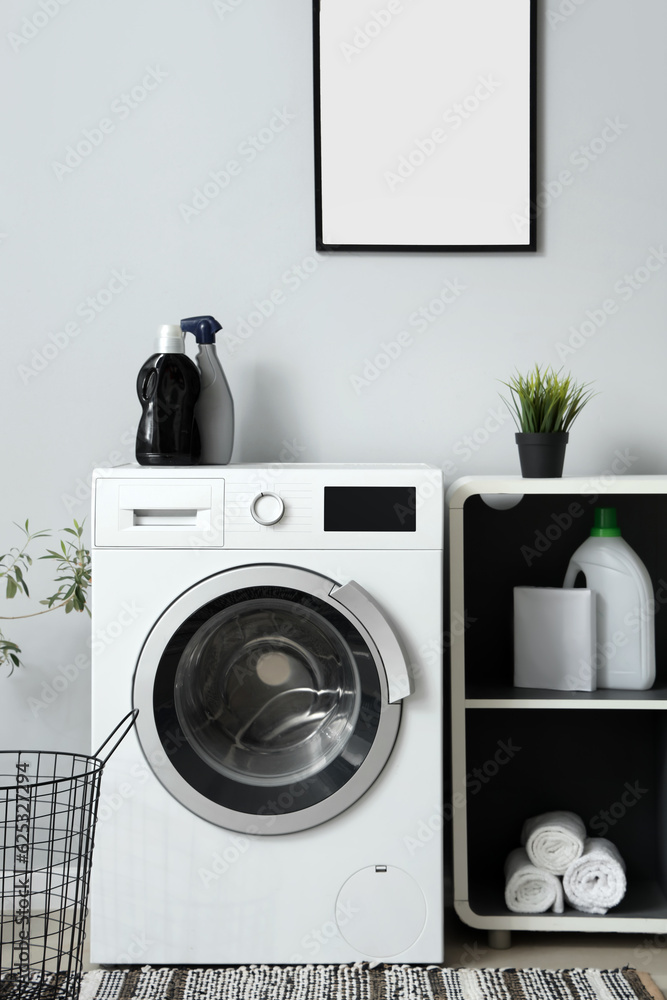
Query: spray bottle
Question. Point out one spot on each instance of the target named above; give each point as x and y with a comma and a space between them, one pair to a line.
215, 408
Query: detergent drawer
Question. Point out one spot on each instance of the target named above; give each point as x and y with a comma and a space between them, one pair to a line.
164, 513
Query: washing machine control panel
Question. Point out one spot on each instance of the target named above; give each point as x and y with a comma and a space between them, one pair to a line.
267, 508
278, 506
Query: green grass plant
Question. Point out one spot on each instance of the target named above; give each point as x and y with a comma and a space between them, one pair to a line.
545, 401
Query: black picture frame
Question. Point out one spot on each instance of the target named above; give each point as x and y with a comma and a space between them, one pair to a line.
333, 235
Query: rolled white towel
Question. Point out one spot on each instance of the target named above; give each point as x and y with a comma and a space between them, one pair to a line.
596, 881
554, 840
529, 889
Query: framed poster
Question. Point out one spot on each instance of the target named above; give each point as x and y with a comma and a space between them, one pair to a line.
424, 124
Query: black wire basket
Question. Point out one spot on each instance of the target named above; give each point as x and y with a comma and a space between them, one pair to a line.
48, 810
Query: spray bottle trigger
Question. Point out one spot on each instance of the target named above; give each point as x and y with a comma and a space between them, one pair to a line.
204, 328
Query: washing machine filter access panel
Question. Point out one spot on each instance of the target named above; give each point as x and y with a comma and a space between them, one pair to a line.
289, 738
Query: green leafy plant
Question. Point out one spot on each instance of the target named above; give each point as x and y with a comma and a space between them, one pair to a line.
73, 578
544, 401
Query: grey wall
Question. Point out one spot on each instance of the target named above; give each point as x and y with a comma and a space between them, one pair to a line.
124, 228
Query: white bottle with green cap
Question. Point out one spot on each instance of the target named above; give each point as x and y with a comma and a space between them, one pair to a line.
625, 645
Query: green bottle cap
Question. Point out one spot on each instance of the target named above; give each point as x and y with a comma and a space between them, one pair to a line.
605, 525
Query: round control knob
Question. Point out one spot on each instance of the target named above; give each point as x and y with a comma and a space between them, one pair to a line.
267, 508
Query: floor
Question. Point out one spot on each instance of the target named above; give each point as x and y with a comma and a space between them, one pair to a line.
465, 946
469, 948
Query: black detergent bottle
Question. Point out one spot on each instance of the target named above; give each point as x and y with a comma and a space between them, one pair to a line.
168, 387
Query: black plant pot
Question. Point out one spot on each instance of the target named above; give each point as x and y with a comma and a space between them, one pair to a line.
542, 455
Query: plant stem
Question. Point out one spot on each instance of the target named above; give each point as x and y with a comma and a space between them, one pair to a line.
5, 570
11, 618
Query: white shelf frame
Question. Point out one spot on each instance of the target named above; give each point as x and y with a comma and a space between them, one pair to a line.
656, 700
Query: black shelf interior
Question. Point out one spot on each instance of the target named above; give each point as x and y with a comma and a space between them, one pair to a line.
531, 545
608, 767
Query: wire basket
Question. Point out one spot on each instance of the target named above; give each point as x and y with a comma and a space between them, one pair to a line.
48, 809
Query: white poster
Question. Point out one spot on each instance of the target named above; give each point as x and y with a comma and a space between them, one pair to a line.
424, 123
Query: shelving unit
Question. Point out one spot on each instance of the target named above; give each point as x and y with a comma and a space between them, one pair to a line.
520, 752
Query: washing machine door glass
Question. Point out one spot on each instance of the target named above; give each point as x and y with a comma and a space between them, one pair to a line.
265, 708
267, 691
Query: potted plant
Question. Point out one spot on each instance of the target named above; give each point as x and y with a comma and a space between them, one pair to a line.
544, 404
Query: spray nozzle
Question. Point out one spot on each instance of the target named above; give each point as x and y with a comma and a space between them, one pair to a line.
204, 328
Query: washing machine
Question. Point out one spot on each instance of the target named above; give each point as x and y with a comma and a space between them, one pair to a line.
279, 629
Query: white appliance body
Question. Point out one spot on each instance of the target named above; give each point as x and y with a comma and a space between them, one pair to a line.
257, 817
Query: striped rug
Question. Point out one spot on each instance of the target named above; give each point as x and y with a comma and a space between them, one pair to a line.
362, 982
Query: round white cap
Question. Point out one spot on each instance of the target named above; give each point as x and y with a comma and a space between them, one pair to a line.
170, 340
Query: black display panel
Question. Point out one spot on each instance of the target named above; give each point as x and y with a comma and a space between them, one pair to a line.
370, 508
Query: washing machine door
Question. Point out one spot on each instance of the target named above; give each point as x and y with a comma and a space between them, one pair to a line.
270, 697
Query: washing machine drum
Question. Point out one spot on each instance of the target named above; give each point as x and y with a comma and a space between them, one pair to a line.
269, 698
